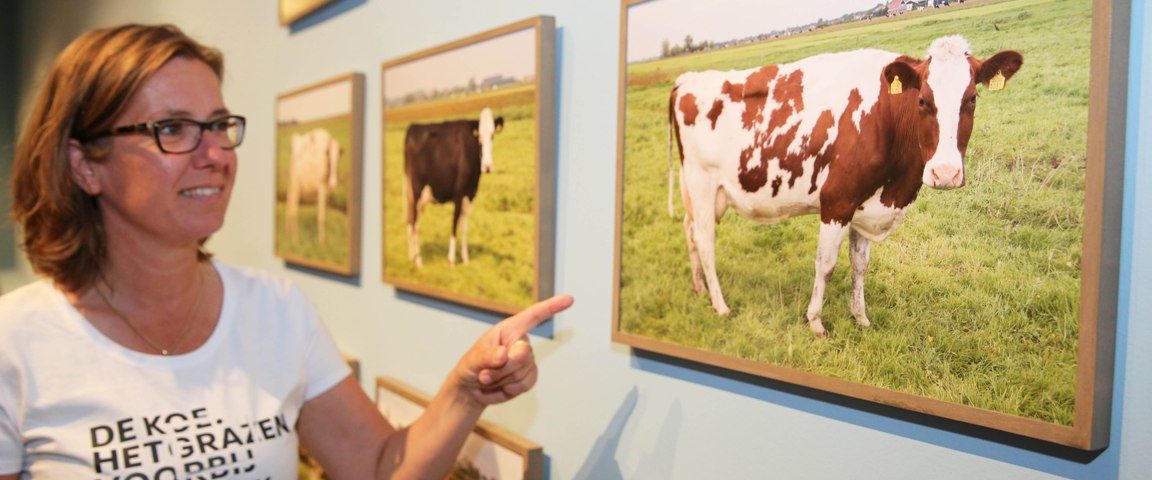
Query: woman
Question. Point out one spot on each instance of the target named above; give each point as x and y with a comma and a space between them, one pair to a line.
141, 358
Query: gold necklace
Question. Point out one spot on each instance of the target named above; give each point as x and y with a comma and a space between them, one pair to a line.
190, 321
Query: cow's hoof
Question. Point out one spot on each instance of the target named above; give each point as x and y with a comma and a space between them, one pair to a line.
723, 310
863, 321
817, 327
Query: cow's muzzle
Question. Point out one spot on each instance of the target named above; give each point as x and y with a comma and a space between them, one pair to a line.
944, 177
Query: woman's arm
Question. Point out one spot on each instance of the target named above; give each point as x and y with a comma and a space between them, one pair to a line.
344, 431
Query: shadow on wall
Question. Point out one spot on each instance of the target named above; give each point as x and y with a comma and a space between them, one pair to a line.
660, 462
602, 464
971, 439
324, 13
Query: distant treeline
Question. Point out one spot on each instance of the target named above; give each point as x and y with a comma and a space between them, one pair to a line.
473, 86
689, 45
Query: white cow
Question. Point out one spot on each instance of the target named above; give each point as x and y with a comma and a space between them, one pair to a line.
312, 172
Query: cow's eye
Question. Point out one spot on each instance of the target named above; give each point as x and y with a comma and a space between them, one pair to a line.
923, 103
972, 101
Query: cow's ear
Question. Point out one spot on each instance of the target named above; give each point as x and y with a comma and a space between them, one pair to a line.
900, 76
1004, 64
499, 124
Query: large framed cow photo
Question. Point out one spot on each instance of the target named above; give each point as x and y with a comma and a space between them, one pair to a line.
319, 146
469, 170
490, 452
909, 203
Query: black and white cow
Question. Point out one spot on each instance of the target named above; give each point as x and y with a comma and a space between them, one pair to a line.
442, 163
850, 136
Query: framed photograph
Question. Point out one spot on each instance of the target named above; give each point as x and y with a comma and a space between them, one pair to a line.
490, 452
469, 169
909, 203
319, 142
292, 10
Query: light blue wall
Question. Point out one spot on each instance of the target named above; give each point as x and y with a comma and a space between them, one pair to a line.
1134, 355
600, 411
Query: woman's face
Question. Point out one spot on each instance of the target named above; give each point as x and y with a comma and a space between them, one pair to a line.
152, 196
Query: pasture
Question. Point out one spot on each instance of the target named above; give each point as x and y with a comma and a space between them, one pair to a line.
973, 300
336, 249
502, 226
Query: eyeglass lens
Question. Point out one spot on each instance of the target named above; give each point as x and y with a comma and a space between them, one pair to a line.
182, 135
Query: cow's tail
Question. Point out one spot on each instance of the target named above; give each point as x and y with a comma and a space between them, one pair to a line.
671, 138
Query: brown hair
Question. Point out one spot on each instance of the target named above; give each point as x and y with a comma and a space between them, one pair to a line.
86, 89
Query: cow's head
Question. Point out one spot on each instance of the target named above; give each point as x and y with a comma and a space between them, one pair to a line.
485, 131
942, 92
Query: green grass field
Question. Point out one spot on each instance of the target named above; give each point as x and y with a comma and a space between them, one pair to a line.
501, 228
973, 300
335, 251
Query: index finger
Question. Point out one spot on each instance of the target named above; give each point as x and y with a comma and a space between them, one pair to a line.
514, 327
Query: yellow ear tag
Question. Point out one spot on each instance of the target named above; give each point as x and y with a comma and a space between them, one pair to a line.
896, 88
997, 82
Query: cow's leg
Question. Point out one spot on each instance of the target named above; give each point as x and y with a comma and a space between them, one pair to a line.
292, 210
693, 252
704, 212
693, 256
414, 245
467, 206
413, 232
459, 206
858, 247
831, 236
321, 208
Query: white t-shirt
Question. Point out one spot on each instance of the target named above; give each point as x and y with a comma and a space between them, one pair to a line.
76, 405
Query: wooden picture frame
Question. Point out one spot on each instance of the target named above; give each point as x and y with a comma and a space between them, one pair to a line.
354, 364
293, 10
319, 126
949, 337
489, 452
509, 219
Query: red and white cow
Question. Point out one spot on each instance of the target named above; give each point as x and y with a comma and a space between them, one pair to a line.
312, 171
829, 134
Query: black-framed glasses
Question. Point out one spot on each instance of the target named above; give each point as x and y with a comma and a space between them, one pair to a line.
183, 135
